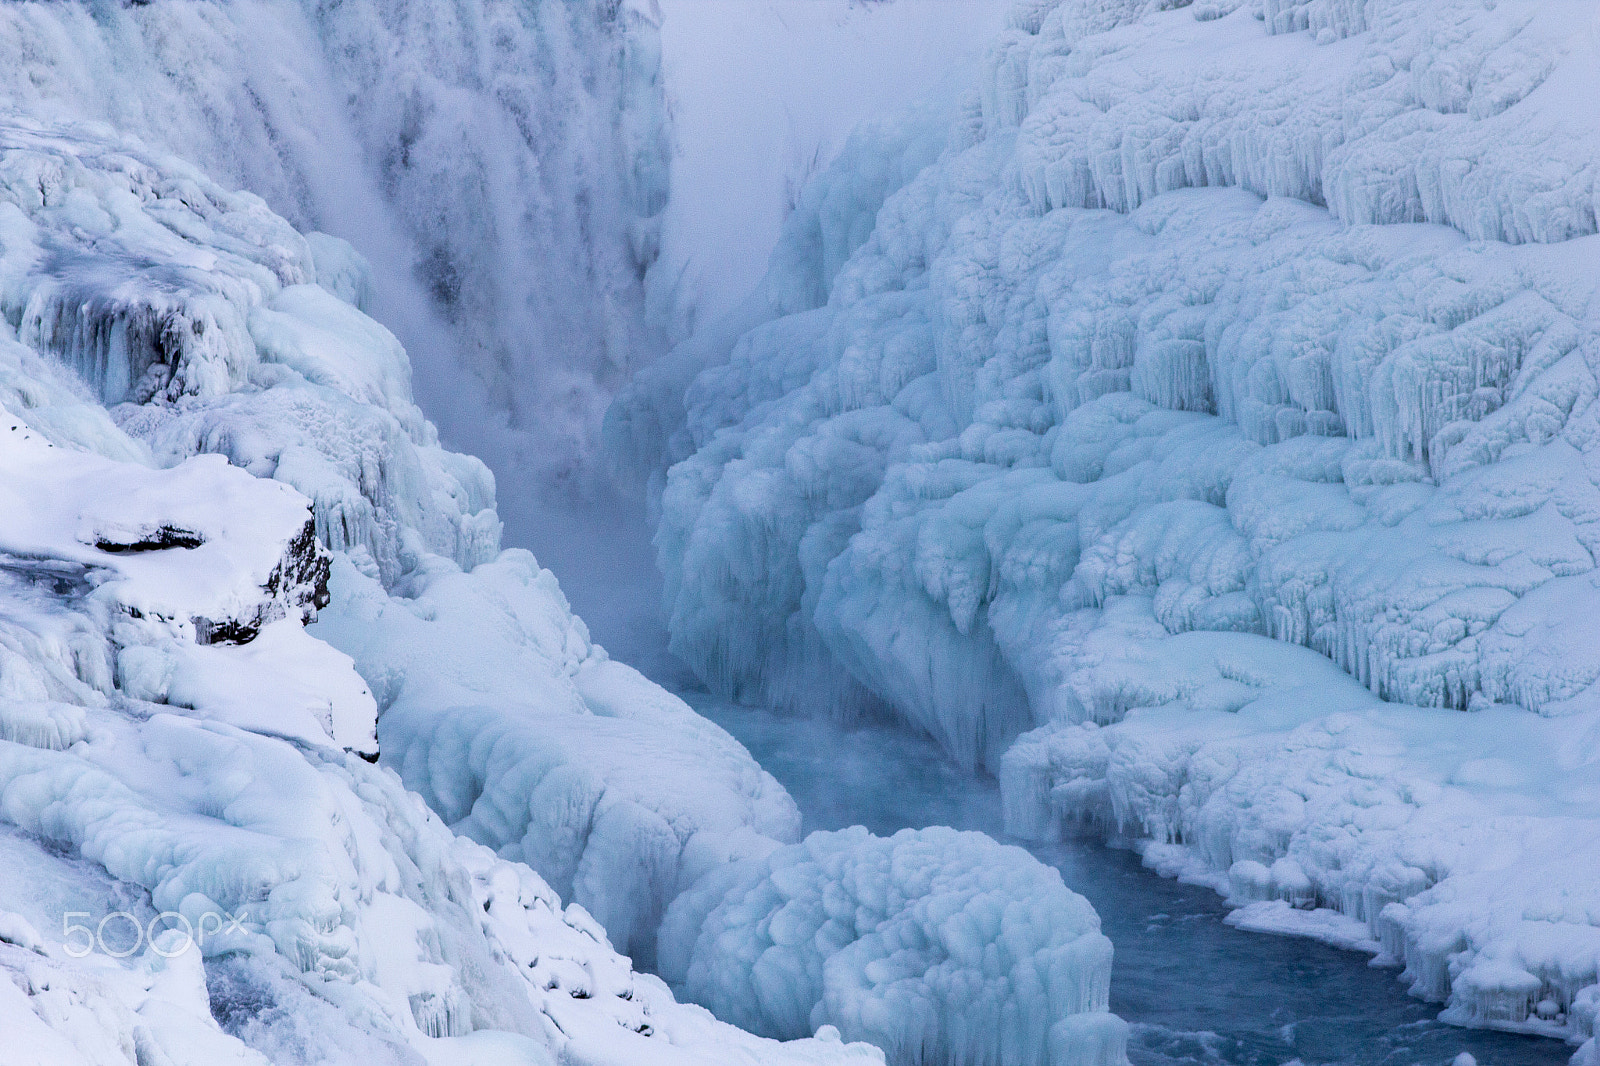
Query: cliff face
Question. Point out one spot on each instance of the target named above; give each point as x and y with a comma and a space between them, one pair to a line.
204, 445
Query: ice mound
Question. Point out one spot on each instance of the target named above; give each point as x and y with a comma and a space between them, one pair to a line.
936, 945
1229, 373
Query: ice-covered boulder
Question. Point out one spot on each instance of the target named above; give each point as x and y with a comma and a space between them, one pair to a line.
936, 945
208, 550
188, 587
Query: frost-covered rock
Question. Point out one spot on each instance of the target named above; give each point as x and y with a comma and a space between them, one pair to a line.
935, 945
1231, 372
179, 587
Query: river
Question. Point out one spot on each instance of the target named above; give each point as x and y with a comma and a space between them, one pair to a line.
1194, 990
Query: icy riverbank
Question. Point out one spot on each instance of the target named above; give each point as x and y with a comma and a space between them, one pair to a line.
1192, 987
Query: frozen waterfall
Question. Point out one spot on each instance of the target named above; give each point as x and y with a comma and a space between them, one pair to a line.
502, 165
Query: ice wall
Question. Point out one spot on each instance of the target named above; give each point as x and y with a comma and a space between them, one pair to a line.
502, 164
1225, 389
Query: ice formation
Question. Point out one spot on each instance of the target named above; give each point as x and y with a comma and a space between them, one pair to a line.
1216, 414
202, 444
207, 445
523, 735
503, 165
935, 945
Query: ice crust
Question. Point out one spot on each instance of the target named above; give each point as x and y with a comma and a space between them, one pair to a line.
1215, 415
173, 739
935, 945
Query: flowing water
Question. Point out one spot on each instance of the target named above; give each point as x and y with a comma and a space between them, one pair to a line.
1195, 991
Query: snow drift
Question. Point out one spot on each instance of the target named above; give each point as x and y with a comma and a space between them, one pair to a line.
1217, 410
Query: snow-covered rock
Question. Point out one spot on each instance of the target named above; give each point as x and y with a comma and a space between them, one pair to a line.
1228, 379
935, 945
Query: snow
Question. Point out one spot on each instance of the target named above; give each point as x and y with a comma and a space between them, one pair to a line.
201, 863
1202, 438
936, 945
133, 532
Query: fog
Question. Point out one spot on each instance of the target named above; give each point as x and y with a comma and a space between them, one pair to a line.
760, 95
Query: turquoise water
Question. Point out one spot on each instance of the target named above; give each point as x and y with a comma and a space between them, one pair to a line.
1195, 991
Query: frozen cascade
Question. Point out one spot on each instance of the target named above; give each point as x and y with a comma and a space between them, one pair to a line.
502, 164
1216, 414
186, 308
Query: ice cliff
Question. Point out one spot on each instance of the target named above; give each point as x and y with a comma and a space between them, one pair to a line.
1199, 430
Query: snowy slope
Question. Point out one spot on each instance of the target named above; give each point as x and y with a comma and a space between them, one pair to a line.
1217, 409
198, 862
